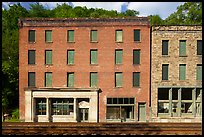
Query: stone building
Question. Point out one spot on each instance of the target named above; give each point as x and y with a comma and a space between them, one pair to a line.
176, 73
84, 69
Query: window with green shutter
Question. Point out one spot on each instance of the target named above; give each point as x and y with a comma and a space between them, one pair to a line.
136, 79
48, 57
119, 35
136, 57
31, 56
70, 56
48, 36
94, 35
182, 48
118, 79
31, 79
118, 56
48, 79
136, 35
93, 79
182, 71
70, 36
165, 68
199, 47
94, 56
199, 72
165, 47
31, 36
70, 79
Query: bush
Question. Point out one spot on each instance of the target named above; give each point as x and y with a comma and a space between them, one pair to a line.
15, 113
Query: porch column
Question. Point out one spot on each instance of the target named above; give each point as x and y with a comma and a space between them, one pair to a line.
75, 110
47, 110
28, 106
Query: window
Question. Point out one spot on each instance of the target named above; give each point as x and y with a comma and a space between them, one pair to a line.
48, 79
70, 79
93, 79
182, 48
119, 36
163, 100
136, 35
165, 74
94, 36
31, 79
165, 47
70, 36
136, 79
40, 106
70, 57
94, 56
186, 100
199, 72
118, 56
136, 57
48, 36
48, 57
31, 36
31, 56
199, 47
182, 71
118, 79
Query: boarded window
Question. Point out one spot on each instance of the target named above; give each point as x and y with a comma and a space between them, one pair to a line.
136, 79
199, 72
118, 79
165, 71
48, 36
31, 35
48, 79
70, 36
182, 48
136, 57
70, 79
94, 35
199, 47
165, 47
182, 71
31, 57
136, 35
94, 56
119, 35
48, 57
93, 79
31, 79
70, 57
118, 56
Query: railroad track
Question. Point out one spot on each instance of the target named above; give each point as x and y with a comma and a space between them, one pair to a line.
41, 128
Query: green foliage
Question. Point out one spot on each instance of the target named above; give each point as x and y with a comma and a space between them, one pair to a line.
15, 113
155, 20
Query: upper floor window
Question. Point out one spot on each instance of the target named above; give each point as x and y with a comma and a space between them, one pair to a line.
31, 36
199, 47
70, 57
118, 79
165, 44
31, 56
136, 79
48, 57
165, 68
136, 35
182, 71
199, 72
31, 79
93, 79
94, 56
48, 79
94, 35
70, 36
118, 56
48, 36
136, 57
182, 48
70, 79
119, 35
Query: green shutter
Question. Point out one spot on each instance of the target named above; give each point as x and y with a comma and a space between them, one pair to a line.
94, 35
118, 56
31, 79
136, 56
94, 79
182, 48
182, 72
94, 56
136, 79
118, 79
48, 36
31, 57
71, 35
136, 35
31, 36
48, 57
70, 80
199, 72
165, 71
119, 35
48, 79
70, 57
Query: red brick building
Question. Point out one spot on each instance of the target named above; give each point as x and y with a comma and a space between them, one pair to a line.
84, 69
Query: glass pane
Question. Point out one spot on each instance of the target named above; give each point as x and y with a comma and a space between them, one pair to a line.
94, 80
119, 36
70, 79
94, 35
48, 36
113, 112
199, 72
109, 100
48, 79
182, 72
136, 79
199, 47
94, 56
31, 57
71, 35
163, 94
136, 56
182, 48
70, 57
186, 94
198, 94
165, 71
48, 57
186, 107
118, 79
118, 56
136, 35
175, 93
165, 47
31, 36
31, 79
163, 107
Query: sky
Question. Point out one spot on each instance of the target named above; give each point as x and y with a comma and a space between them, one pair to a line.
163, 9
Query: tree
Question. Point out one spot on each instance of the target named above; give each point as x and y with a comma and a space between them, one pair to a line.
155, 20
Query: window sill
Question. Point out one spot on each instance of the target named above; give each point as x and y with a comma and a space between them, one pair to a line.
32, 42
183, 56
118, 87
136, 64
137, 41
119, 42
93, 41
136, 87
70, 41
48, 42
118, 64
31, 64
165, 56
48, 65
165, 80
93, 64
70, 64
